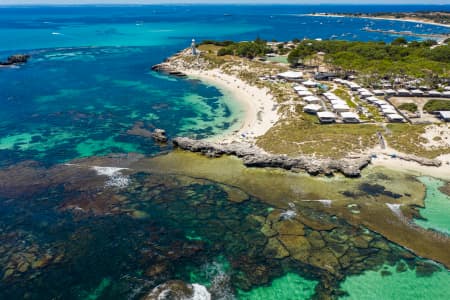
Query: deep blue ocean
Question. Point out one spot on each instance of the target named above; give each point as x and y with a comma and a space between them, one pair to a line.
87, 83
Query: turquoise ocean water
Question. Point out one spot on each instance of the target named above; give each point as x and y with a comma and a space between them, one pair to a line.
87, 83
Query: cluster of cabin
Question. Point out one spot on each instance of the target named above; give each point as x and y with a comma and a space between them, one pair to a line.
330, 108
338, 108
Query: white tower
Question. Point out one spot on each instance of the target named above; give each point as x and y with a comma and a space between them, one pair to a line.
193, 47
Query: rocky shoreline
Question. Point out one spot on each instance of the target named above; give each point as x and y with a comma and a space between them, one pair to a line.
254, 157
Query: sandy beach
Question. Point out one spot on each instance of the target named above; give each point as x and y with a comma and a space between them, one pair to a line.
389, 158
259, 107
419, 21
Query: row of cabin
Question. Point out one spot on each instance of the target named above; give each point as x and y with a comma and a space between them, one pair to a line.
364, 93
389, 111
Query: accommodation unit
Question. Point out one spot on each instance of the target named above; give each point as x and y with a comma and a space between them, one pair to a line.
291, 76
378, 92
312, 108
417, 93
349, 117
403, 93
395, 118
339, 107
326, 117
304, 93
445, 116
434, 93
311, 99
300, 88
390, 92
310, 83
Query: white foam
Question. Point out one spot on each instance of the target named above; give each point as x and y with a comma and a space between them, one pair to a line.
395, 208
325, 202
115, 177
108, 171
289, 214
200, 293
57, 33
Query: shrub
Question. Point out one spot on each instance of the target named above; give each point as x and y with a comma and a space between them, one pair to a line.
412, 107
436, 105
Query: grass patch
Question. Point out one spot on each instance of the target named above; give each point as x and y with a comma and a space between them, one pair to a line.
303, 135
407, 139
345, 96
411, 107
436, 105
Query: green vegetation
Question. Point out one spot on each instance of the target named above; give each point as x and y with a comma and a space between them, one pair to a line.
408, 139
378, 59
411, 107
436, 105
242, 49
303, 135
345, 96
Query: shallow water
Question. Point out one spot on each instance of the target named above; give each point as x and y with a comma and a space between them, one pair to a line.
398, 282
437, 207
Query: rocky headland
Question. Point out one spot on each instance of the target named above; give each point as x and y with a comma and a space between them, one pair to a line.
252, 156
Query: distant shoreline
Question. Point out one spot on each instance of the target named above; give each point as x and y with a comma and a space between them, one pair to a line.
379, 18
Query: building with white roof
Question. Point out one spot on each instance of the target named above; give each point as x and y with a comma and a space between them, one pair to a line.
304, 93
445, 115
311, 99
349, 117
291, 75
390, 92
326, 117
300, 88
310, 83
434, 93
378, 92
312, 108
417, 93
340, 107
395, 118
403, 92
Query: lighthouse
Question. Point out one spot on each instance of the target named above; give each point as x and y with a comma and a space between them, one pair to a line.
193, 47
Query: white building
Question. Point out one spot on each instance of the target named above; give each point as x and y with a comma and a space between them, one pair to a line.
445, 115
312, 108
395, 118
291, 75
326, 117
310, 83
403, 92
349, 117
311, 99
304, 93
340, 107
417, 93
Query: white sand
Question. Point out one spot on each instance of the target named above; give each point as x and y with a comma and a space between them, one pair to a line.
259, 106
384, 159
383, 18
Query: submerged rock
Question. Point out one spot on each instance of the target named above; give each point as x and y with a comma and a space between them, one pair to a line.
15, 59
274, 249
298, 246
